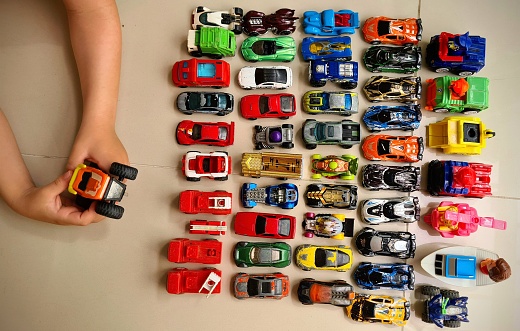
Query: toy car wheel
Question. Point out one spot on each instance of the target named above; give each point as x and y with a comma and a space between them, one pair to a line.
242, 243
452, 324
310, 215
470, 111
252, 118
441, 70
109, 210
287, 126
430, 290
284, 117
316, 156
253, 34
375, 42
217, 87
193, 179
346, 146
450, 294
258, 146
284, 32
465, 73
196, 54
252, 60
317, 83
310, 146
316, 176
220, 113
200, 9
215, 56
221, 178
237, 29
308, 235
426, 318
288, 145
348, 85
440, 110
239, 11
123, 171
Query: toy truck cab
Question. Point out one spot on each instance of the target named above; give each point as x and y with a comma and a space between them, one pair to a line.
214, 42
195, 72
461, 54
344, 73
468, 95
182, 250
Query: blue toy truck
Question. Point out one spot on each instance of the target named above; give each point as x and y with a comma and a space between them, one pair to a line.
461, 54
344, 73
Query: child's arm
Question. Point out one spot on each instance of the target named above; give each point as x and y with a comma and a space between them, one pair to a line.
95, 33
39, 203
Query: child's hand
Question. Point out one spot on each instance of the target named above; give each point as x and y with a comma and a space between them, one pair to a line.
47, 205
99, 145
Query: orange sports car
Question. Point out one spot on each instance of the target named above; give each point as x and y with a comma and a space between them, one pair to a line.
393, 148
387, 30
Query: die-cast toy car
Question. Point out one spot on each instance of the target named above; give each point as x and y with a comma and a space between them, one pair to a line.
266, 225
205, 133
399, 244
400, 209
281, 22
381, 118
280, 105
379, 177
337, 293
335, 226
283, 195
380, 147
217, 103
381, 29
330, 102
395, 276
277, 49
270, 286
277, 77
400, 89
213, 165
262, 254
403, 59
331, 196
330, 23
232, 19
345, 133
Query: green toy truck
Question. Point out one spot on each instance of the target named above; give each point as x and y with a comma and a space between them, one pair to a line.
213, 42
469, 95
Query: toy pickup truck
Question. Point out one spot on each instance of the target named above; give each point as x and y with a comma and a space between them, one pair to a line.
182, 250
344, 73
461, 179
201, 73
213, 42
195, 202
277, 165
468, 95
461, 54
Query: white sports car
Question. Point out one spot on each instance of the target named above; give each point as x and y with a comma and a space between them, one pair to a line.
277, 77
403, 209
232, 20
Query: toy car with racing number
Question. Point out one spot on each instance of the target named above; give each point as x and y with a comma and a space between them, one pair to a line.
400, 209
283, 195
381, 118
335, 226
331, 196
381, 147
205, 133
383, 309
399, 244
401, 178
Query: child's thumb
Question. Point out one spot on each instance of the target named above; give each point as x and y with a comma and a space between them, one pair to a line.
61, 183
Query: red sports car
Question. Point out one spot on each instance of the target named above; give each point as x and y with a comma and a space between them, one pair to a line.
205, 133
281, 105
393, 148
265, 225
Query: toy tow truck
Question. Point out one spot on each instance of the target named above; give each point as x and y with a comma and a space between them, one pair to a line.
182, 250
468, 95
459, 135
89, 183
461, 54
277, 165
214, 42
459, 219
456, 178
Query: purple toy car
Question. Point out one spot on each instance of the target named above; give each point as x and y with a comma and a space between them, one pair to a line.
281, 22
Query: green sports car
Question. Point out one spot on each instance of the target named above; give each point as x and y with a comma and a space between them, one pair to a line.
262, 254
277, 49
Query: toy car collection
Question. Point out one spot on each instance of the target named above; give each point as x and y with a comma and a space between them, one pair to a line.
281, 105
203, 73
461, 54
381, 29
215, 228
204, 281
395, 276
277, 49
267, 137
381, 118
232, 19
270, 286
345, 133
277, 77
379, 308
330, 23
213, 165
331, 196
335, 226
344, 73
277, 165
445, 308
400, 89
281, 22
330, 102
283, 195
382, 147
468, 95
459, 178
183, 250
205, 133
262, 254
332, 166
459, 219
266, 225
331, 48
401, 59
379, 177
459, 135
89, 183
309, 257
195, 202
401, 209
399, 244
213, 42
217, 103
337, 293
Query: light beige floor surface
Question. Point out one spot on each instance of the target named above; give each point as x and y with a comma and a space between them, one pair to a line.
111, 276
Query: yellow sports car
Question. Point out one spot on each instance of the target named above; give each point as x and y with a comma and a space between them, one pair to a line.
337, 258
379, 308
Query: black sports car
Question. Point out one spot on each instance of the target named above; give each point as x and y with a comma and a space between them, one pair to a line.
401, 89
331, 196
404, 59
218, 103
338, 292
400, 244
401, 178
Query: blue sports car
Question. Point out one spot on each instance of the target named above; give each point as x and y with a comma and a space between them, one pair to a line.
381, 118
333, 48
396, 276
284, 195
